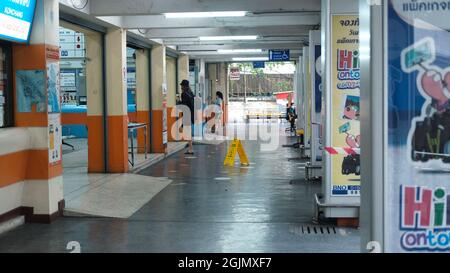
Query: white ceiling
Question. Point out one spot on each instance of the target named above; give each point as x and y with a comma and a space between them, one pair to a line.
281, 24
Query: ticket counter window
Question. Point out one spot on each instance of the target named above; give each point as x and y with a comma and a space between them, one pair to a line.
5, 87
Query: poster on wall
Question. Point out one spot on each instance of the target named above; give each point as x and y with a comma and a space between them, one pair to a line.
68, 80
30, 86
418, 108
53, 94
54, 138
345, 93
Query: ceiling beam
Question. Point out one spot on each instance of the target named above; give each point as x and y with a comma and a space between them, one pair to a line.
229, 58
196, 41
159, 21
154, 7
196, 32
214, 53
267, 45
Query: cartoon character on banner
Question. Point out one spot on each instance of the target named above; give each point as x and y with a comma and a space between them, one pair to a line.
351, 110
429, 136
351, 163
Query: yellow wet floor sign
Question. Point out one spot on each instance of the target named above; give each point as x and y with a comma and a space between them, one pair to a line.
236, 147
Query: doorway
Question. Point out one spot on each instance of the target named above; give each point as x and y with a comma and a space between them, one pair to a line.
82, 105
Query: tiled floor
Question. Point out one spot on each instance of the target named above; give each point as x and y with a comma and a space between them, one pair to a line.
266, 207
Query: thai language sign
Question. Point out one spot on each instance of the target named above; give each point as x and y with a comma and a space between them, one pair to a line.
345, 94
418, 154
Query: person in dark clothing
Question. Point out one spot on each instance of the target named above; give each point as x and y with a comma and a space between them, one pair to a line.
187, 99
291, 116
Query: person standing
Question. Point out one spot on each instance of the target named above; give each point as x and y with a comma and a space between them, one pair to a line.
292, 116
218, 115
187, 99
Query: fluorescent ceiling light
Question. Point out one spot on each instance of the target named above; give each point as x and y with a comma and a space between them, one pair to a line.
225, 38
231, 51
173, 15
250, 59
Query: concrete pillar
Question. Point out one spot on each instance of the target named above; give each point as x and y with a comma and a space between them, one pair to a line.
94, 83
172, 85
30, 156
143, 95
116, 64
212, 77
183, 67
218, 76
224, 80
94, 91
159, 99
183, 74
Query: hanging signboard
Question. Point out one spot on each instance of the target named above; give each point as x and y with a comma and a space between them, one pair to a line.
279, 55
418, 107
259, 65
235, 74
16, 19
345, 93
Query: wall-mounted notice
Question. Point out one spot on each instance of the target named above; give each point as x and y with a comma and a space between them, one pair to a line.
54, 138
72, 44
418, 155
30, 86
68, 80
345, 92
53, 84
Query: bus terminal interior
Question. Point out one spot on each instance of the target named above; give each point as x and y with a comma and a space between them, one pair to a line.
289, 126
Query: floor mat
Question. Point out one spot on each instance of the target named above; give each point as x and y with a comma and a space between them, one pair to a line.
120, 197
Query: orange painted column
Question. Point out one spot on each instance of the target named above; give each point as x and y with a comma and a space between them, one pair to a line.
159, 100
183, 74
94, 74
38, 57
117, 134
31, 153
143, 97
172, 85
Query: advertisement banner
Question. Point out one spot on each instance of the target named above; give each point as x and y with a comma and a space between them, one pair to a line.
418, 106
345, 112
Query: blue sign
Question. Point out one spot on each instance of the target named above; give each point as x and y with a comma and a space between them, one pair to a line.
259, 65
279, 55
16, 19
